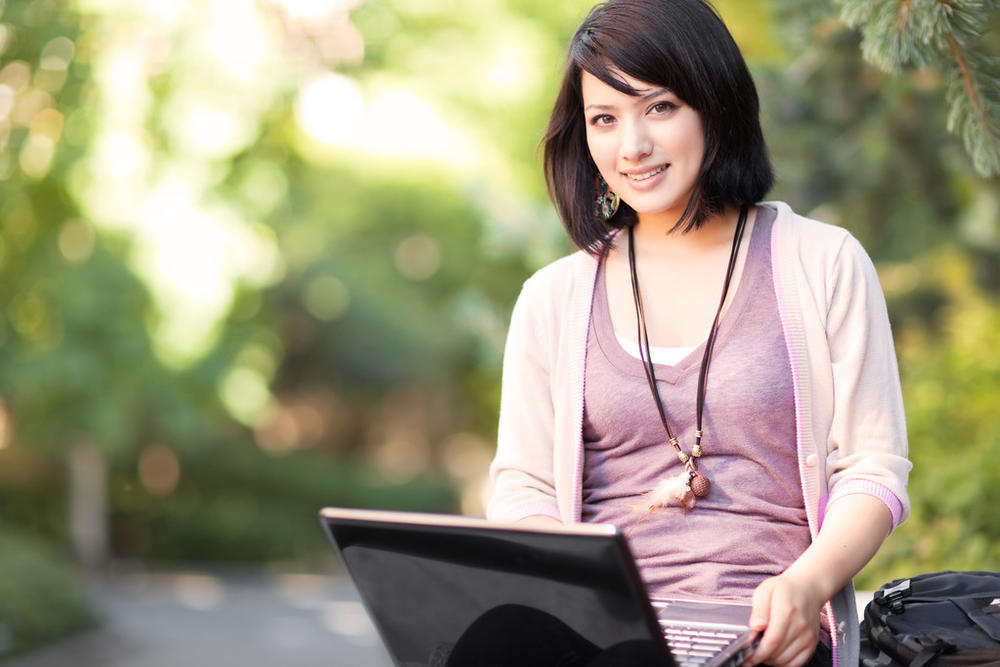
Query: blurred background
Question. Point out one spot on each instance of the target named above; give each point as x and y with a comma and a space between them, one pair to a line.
257, 257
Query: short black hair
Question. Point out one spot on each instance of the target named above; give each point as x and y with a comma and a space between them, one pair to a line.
682, 45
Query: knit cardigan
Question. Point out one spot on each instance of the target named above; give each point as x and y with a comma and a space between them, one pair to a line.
849, 420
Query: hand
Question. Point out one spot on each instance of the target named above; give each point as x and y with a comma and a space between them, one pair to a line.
786, 611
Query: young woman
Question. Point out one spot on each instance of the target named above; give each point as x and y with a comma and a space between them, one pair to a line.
712, 373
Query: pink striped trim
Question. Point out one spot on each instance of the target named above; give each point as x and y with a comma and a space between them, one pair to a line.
794, 341
871, 488
795, 358
580, 353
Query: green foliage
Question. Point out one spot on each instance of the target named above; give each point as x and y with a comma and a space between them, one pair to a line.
373, 343
416, 305
951, 382
40, 597
231, 503
973, 96
239, 504
863, 147
76, 358
856, 147
949, 35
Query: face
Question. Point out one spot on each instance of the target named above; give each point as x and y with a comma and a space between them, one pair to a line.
647, 147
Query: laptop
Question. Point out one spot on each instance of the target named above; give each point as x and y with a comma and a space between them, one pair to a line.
424, 579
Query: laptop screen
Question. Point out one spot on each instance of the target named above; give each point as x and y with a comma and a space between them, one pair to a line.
426, 578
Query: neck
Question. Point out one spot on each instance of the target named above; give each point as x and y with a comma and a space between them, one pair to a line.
654, 236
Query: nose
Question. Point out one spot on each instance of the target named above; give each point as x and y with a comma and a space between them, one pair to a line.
635, 141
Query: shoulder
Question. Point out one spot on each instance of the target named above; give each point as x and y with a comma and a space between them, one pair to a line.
551, 300
812, 245
823, 265
793, 229
557, 281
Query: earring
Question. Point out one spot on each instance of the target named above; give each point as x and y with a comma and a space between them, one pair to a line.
605, 201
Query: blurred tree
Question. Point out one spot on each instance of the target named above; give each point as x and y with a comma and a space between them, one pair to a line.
948, 35
75, 354
863, 148
81, 378
240, 241
951, 376
158, 179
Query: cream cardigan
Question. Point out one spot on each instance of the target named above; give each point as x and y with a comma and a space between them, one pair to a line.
850, 427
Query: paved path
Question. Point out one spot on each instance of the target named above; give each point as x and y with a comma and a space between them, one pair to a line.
195, 618
192, 618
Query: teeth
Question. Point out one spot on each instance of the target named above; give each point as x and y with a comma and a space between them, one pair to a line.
648, 174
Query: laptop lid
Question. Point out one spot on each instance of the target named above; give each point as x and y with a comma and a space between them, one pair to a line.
425, 578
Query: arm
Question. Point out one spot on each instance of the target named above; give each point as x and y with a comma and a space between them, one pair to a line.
522, 471
864, 436
786, 608
540, 520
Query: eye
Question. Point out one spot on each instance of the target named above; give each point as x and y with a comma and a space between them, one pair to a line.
602, 120
663, 107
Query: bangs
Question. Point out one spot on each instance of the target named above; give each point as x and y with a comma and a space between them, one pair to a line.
631, 47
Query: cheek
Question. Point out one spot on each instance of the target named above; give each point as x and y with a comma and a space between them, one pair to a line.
692, 141
603, 153
696, 144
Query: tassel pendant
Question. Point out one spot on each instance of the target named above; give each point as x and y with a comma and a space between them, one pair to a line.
670, 490
687, 499
673, 490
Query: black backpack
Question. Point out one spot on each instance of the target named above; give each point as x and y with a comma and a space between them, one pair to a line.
944, 618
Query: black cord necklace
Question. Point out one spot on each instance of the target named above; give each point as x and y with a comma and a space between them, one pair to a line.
691, 484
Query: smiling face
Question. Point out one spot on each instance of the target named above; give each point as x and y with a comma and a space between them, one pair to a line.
648, 147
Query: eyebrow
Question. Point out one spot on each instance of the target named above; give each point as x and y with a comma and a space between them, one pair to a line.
650, 94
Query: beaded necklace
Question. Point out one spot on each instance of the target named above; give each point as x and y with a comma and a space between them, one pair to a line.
690, 484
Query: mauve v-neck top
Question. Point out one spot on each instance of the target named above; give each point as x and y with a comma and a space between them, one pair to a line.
753, 523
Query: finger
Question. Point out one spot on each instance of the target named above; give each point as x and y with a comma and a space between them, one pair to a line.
795, 655
776, 636
798, 645
760, 615
760, 612
753, 643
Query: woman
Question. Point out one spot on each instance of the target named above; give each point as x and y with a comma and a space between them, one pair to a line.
713, 374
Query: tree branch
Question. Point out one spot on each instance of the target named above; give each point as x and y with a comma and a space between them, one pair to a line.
902, 14
964, 67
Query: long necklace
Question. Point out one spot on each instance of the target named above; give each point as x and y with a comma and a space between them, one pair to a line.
690, 484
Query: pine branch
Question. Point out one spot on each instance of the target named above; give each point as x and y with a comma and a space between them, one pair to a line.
975, 107
948, 34
975, 110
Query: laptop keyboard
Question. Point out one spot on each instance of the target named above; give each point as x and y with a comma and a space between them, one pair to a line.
695, 646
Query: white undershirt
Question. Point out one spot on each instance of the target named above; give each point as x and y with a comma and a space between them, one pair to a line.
666, 356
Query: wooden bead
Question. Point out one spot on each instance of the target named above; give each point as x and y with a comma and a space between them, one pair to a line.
700, 485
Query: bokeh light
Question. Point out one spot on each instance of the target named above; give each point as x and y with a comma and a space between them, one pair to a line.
417, 257
326, 298
76, 241
159, 469
6, 427
331, 109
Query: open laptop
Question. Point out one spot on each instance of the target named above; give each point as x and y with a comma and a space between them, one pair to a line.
425, 578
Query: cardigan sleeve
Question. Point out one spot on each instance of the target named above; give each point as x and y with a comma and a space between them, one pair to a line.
522, 471
867, 438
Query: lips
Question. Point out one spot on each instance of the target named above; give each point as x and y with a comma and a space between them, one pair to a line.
646, 175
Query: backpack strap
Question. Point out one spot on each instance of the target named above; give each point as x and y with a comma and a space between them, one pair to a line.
932, 648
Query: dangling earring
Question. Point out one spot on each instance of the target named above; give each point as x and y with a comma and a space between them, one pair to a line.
605, 201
